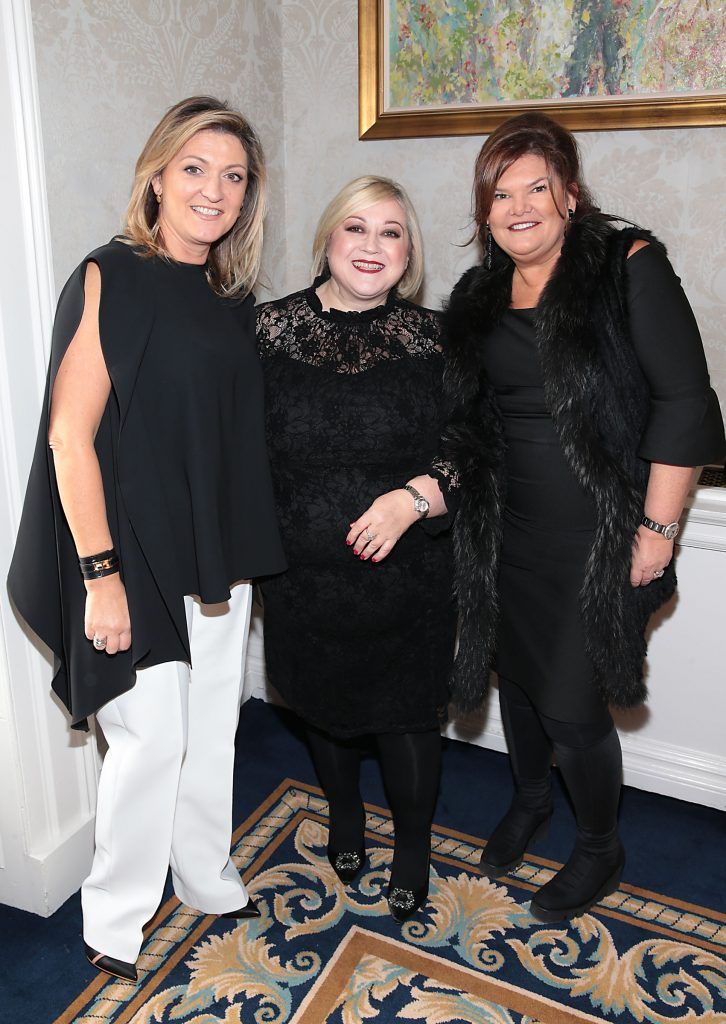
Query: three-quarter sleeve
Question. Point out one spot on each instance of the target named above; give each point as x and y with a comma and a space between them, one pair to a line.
447, 476
685, 426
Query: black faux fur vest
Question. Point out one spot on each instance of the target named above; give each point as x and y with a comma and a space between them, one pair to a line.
598, 399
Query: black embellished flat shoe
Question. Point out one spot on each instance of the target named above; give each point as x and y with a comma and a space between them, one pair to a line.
519, 829
347, 864
587, 877
110, 965
404, 903
250, 909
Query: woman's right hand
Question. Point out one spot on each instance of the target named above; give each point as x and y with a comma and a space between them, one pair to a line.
107, 613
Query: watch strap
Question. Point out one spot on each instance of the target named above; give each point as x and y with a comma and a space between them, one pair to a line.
420, 503
667, 530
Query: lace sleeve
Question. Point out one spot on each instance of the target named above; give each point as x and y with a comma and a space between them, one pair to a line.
447, 475
265, 332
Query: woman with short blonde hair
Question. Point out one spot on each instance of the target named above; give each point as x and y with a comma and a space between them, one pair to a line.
357, 195
360, 641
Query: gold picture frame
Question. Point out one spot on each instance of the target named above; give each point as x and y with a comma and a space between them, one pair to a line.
587, 114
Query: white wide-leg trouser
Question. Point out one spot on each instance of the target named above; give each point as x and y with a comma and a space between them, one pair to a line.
165, 793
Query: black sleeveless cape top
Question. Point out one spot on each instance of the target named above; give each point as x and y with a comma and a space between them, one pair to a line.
185, 472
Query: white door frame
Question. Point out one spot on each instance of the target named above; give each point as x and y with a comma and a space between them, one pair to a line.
49, 773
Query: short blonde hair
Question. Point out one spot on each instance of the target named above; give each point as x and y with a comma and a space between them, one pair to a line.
357, 195
234, 260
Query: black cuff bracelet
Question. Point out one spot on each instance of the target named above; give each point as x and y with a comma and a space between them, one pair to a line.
94, 567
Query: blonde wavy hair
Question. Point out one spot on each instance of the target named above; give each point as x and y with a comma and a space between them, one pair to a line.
357, 195
234, 260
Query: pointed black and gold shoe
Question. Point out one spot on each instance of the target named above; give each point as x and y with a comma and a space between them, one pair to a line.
110, 965
250, 909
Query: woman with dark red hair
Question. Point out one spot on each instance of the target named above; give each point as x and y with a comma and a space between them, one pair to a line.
582, 403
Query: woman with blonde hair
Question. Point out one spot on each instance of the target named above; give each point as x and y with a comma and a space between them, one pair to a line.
150, 514
359, 639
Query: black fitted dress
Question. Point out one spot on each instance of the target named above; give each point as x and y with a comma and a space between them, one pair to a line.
353, 411
549, 520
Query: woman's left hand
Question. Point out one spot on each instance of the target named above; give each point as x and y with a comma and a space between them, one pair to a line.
375, 533
651, 554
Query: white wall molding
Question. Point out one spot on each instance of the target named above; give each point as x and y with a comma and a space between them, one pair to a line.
49, 774
649, 764
255, 683
704, 522
674, 771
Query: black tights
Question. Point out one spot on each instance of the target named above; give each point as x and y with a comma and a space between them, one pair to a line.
587, 754
410, 766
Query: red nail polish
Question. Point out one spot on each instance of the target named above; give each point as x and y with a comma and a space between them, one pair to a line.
374, 559
362, 558
355, 552
349, 542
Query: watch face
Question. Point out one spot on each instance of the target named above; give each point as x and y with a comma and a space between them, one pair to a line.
421, 505
671, 531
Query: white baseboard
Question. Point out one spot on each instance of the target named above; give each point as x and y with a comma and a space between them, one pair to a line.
651, 765
674, 771
49, 879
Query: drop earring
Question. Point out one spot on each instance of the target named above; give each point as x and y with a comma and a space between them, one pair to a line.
489, 250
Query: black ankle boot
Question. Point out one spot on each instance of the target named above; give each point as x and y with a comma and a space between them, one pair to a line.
520, 828
593, 872
592, 775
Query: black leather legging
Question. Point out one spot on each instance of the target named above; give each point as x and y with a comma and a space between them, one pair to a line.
587, 754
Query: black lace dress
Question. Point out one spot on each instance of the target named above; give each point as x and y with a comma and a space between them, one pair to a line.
353, 410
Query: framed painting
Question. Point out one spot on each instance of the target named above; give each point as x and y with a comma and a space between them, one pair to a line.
460, 67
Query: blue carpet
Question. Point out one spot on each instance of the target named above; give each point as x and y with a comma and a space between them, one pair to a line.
673, 848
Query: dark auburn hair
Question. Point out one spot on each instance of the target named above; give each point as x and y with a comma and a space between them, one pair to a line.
517, 137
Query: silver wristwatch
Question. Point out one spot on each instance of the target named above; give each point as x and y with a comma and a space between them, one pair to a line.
419, 502
669, 531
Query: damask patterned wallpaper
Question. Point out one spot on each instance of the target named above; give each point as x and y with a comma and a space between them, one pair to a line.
669, 181
108, 68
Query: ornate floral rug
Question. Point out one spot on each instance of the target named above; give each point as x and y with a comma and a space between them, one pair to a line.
323, 953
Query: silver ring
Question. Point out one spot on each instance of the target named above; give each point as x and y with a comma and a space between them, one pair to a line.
657, 575
99, 642
370, 536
